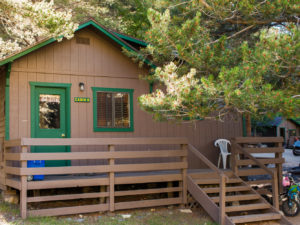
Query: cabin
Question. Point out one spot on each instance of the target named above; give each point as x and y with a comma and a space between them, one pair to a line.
71, 128
288, 129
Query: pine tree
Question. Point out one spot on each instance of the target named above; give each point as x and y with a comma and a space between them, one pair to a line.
218, 58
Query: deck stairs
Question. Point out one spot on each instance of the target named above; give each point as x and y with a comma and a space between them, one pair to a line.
242, 205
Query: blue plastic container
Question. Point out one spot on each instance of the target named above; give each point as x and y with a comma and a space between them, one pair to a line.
36, 164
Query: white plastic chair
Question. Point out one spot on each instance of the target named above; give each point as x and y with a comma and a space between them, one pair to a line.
223, 145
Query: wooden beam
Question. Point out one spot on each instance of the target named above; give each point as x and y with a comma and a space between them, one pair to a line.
111, 148
95, 155
48, 184
222, 195
275, 194
246, 207
245, 162
69, 210
147, 179
23, 191
241, 197
97, 169
227, 189
13, 183
102, 141
67, 197
147, 203
264, 150
252, 171
12, 143
255, 182
147, 191
279, 168
256, 140
184, 176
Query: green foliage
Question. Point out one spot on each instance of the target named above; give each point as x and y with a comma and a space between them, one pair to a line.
245, 54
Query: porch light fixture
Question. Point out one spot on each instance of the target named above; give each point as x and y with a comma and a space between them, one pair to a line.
81, 86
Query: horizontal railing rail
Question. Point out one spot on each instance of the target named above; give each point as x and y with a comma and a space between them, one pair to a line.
255, 140
95, 155
93, 141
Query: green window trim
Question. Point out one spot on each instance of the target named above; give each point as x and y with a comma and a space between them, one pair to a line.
67, 86
103, 129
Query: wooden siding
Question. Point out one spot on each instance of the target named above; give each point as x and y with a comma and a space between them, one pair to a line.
100, 64
2, 123
288, 125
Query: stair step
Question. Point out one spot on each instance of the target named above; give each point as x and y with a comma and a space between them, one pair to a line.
217, 181
239, 208
238, 198
255, 217
227, 189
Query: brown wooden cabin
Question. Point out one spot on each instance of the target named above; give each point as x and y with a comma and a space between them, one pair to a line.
79, 96
93, 58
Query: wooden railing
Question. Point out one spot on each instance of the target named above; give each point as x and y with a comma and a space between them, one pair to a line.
222, 182
242, 150
18, 151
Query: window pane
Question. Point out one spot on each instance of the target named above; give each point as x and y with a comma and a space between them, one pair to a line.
113, 110
121, 110
49, 111
104, 109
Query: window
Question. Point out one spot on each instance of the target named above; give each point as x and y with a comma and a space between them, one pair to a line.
292, 132
113, 109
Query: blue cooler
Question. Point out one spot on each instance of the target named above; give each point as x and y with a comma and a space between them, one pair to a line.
36, 164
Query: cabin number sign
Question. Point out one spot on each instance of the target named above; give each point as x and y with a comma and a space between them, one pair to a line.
82, 99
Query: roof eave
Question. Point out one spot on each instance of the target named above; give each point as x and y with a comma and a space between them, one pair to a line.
99, 27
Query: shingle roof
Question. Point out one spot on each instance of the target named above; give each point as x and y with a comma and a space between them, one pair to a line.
270, 123
296, 121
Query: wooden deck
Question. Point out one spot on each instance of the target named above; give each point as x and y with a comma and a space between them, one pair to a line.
159, 176
170, 170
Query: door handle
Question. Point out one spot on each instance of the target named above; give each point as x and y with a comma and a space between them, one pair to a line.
63, 135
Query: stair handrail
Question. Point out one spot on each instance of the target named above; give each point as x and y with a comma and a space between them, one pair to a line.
223, 179
206, 161
271, 172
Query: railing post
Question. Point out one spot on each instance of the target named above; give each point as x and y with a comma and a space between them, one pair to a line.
111, 148
234, 157
279, 168
275, 191
23, 194
184, 175
222, 197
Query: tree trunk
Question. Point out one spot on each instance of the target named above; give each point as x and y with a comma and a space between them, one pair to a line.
248, 125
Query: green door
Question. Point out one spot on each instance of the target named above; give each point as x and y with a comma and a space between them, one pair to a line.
49, 120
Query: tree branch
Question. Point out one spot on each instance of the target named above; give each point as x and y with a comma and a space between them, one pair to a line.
235, 34
258, 22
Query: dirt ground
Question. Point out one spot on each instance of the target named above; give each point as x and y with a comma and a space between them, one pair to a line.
9, 215
294, 220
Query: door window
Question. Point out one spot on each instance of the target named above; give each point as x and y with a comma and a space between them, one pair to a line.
49, 111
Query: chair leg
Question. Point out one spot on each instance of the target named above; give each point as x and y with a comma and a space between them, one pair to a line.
224, 157
219, 160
